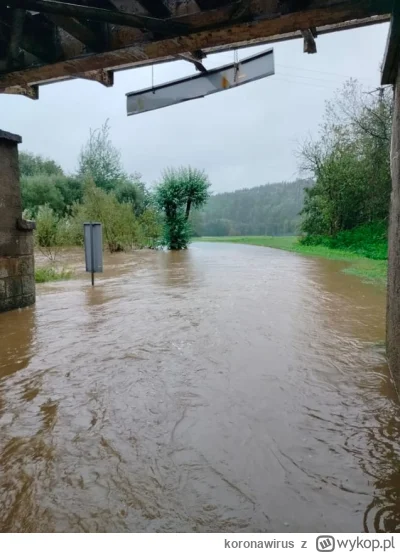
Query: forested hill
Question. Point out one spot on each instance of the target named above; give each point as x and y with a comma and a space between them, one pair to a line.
271, 209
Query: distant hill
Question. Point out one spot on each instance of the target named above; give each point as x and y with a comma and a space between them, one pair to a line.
271, 209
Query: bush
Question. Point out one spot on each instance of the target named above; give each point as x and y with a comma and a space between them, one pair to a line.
49, 274
121, 230
151, 228
366, 240
50, 232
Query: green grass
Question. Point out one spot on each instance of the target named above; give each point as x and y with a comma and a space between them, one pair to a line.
50, 274
370, 270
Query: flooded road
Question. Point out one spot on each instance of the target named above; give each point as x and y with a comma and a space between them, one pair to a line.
225, 388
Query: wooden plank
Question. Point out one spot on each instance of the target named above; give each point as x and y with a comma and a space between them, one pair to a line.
133, 52
392, 54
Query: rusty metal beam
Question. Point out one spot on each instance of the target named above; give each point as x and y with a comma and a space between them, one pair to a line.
209, 31
99, 14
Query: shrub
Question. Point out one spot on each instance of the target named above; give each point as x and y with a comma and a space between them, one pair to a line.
50, 232
49, 274
121, 230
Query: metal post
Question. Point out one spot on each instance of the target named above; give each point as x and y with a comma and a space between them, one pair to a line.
92, 251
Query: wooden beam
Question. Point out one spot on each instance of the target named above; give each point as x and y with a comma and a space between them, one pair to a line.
38, 37
193, 59
392, 54
14, 45
99, 14
79, 31
31, 92
310, 46
132, 51
156, 8
106, 78
211, 4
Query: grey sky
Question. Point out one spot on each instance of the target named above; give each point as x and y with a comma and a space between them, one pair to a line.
242, 138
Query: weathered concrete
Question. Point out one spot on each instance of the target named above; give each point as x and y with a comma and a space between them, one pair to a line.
17, 272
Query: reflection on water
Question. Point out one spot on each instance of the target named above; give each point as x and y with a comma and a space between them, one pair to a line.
223, 388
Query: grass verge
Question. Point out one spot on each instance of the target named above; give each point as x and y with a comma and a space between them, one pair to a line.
370, 270
51, 274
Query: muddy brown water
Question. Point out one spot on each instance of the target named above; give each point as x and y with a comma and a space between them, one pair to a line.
225, 388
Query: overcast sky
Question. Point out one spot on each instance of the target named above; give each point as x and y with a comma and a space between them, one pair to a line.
242, 138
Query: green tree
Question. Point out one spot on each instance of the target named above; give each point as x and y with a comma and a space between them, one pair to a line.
39, 190
131, 190
57, 191
350, 164
30, 165
262, 210
179, 191
100, 160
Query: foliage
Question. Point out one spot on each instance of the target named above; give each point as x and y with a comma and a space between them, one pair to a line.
180, 190
132, 191
350, 164
271, 209
121, 229
366, 240
50, 274
50, 232
30, 165
177, 232
57, 191
100, 160
151, 227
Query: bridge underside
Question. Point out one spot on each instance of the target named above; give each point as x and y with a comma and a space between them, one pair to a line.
43, 41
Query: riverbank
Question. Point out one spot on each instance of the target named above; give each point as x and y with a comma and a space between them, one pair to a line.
370, 270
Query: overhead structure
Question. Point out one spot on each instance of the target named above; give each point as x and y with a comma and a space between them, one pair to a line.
201, 85
43, 41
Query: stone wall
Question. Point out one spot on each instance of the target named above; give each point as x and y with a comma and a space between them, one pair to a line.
17, 275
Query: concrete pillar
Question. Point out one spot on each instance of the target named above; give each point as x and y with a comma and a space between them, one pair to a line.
17, 275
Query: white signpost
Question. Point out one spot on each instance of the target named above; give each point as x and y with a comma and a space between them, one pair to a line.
93, 238
203, 84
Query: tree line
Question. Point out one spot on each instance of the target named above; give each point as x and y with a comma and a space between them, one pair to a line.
131, 214
271, 209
